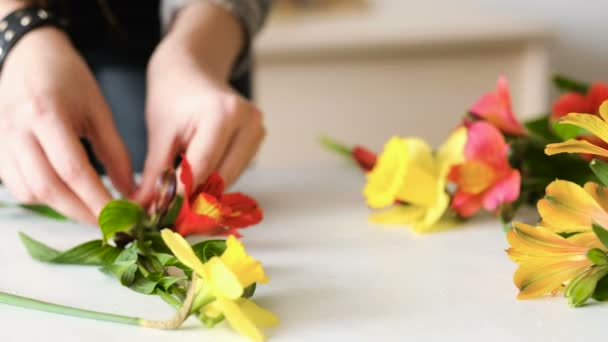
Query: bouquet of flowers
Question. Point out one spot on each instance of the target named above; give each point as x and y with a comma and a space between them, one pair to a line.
492, 162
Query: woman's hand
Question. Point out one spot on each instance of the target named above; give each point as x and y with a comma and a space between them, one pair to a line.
48, 101
190, 106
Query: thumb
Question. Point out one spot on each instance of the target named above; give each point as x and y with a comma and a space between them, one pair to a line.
110, 149
161, 153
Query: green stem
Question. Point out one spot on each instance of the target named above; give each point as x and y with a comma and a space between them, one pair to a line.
34, 304
335, 146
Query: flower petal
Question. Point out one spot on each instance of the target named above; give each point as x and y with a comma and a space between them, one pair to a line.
590, 122
239, 321
496, 109
567, 207
575, 146
186, 176
214, 186
182, 250
596, 96
244, 211
386, 179
485, 143
504, 191
191, 223
223, 283
603, 110
465, 204
434, 213
247, 269
451, 152
599, 194
569, 103
398, 214
257, 315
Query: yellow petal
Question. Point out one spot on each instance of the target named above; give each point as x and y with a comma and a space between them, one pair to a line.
256, 314
182, 250
451, 152
386, 178
421, 176
220, 280
599, 194
247, 269
588, 240
238, 320
547, 260
603, 110
399, 214
434, 213
567, 207
590, 122
575, 146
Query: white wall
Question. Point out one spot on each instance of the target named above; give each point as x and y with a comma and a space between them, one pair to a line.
580, 46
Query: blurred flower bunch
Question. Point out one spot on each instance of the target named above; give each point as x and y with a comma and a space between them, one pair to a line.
491, 162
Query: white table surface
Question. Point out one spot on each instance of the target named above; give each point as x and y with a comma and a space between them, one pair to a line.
334, 277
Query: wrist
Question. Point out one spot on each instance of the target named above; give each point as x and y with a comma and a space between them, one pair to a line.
208, 35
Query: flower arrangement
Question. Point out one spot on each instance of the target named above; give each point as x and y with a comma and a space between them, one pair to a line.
146, 251
494, 163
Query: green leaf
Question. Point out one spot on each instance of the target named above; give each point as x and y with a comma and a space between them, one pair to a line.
38, 250
125, 265
601, 233
154, 282
249, 291
119, 216
208, 249
565, 84
600, 169
542, 128
597, 256
43, 210
169, 219
568, 131
143, 285
89, 253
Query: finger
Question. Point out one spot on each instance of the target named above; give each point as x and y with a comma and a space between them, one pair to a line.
13, 180
46, 186
68, 158
242, 150
162, 149
208, 146
110, 149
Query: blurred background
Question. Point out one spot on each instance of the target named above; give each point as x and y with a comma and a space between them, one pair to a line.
363, 70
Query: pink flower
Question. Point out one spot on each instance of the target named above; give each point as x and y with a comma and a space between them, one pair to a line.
495, 107
485, 179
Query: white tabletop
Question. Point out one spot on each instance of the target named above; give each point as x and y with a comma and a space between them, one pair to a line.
334, 277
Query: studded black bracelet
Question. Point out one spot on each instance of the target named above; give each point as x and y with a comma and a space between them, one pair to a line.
19, 22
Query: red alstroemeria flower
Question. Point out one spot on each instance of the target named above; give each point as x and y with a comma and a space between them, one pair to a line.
573, 102
495, 107
485, 179
209, 211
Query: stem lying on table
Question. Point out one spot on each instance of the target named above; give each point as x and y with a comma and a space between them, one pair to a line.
173, 323
29, 303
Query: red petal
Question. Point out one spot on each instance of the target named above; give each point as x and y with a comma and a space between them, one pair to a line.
364, 157
569, 103
193, 223
596, 96
245, 211
214, 185
186, 175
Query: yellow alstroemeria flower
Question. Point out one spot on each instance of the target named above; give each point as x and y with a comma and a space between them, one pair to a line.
408, 172
225, 278
547, 261
597, 126
568, 207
